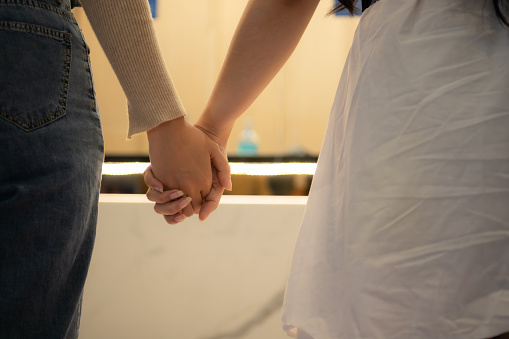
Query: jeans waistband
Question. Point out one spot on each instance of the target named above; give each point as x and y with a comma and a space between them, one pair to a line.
61, 7
62, 4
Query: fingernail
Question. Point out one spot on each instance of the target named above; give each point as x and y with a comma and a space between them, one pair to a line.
176, 195
159, 189
230, 185
180, 218
184, 202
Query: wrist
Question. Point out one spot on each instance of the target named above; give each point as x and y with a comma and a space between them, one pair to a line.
216, 130
166, 128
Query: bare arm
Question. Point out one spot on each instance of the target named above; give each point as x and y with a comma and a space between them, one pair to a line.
266, 36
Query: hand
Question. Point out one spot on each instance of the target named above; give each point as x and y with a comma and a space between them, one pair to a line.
168, 203
182, 158
212, 199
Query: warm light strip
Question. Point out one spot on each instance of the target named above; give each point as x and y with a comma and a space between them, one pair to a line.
290, 168
282, 168
124, 168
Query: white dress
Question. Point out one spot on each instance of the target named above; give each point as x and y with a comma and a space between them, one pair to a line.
406, 232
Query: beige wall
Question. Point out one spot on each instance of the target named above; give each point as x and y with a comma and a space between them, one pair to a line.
194, 38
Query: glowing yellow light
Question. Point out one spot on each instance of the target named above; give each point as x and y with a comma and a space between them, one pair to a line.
124, 168
290, 168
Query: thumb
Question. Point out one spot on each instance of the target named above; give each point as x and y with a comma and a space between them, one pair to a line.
220, 161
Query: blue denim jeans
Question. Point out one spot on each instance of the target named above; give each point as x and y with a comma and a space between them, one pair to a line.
51, 151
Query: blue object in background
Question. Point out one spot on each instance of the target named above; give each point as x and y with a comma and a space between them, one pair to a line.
153, 7
345, 12
248, 143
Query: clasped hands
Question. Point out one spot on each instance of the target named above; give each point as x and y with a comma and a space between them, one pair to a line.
189, 171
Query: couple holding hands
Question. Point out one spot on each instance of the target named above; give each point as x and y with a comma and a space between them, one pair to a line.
405, 233
265, 38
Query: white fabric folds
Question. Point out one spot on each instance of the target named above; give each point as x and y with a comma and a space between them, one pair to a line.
406, 232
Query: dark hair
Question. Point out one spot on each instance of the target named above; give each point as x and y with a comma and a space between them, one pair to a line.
501, 8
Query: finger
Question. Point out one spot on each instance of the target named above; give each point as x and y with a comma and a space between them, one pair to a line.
164, 197
188, 211
220, 161
211, 201
173, 207
174, 219
196, 203
201, 187
151, 181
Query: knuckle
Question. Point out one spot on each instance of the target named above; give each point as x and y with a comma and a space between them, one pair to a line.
170, 220
150, 196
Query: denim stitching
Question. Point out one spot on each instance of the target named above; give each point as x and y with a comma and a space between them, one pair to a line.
65, 38
21, 26
91, 82
41, 5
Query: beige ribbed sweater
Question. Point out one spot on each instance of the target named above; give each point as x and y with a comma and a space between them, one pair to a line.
126, 33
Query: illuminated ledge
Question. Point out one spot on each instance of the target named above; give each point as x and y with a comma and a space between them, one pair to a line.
286, 168
225, 199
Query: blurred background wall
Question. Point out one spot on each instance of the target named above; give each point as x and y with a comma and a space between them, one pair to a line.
194, 37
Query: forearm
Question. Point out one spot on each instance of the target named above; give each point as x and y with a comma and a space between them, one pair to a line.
126, 33
266, 36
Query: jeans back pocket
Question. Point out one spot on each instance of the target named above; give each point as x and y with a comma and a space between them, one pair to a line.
35, 66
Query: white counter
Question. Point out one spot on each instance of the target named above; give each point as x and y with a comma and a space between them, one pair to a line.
221, 278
